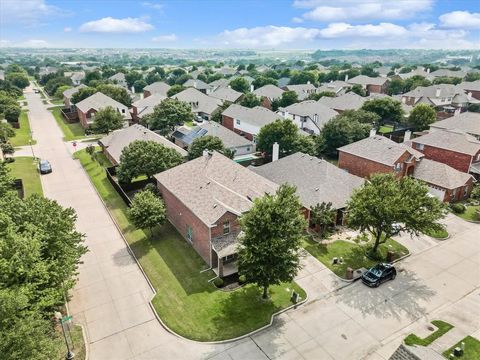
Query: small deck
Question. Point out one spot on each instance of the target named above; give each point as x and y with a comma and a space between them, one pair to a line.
228, 269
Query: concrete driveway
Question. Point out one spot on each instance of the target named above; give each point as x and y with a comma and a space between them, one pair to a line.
440, 280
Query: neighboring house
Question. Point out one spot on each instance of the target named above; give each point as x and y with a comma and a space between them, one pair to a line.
247, 121
75, 76
309, 115
204, 198
348, 101
338, 87
452, 147
67, 95
316, 181
238, 144
441, 95
472, 88
119, 79
378, 154
227, 94
419, 71
46, 70
220, 83
282, 82
158, 87
226, 71
383, 71
199, 85
468, 122
371, 84
268, 93
448, 73
303, 91
113, 144
202, 105
87, 108
145, 106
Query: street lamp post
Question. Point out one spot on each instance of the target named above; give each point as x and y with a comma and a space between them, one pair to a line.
70, 355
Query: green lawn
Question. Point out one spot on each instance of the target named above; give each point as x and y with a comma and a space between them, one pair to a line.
472, 349
353, 255
24, 168
71, 132
23, 135
440, 234
185, 300
443, 328
385, 129
78, 343
470, 213
56, 101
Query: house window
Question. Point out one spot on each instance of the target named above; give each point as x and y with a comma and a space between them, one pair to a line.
238, 122
189, 233
454, 193
123, 111
226, 227
248, 149
254, 139
465, 191
419, 146
398, 167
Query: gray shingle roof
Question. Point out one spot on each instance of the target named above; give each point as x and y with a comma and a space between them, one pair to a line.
226, 94
70, 92
99, 101
197, 84
380, 149
316, 180
118, 139
145, 106
348, 101
445, 90
199, 101
269, 91
310, 108
258, 115
367, 80
229, 138
212, 185
439, 174
454, 140
158, 87
467, 121
302, 90
470, 85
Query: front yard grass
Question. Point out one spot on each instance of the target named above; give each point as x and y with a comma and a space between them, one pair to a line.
71, 131
385, 129
185, 301
443, 328
353, 254
77, 339
26, 169
472, 349
440, 234
23, 135
470, 213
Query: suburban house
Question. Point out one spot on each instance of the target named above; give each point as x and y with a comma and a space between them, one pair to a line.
231, 140
220, 83
67, 94
448, 73
316, 181
283, 81
348, 101
202, 105
145, 106
199, 85
471, 88
227, 94
419, 71
308, 115
87, 108
371, 84
204, 198
452, 147
113, 144
338, 87
468, 122
119, 79
303, 91
158, 87
75, 76
446, 96
247, 121
378, 154
268, 93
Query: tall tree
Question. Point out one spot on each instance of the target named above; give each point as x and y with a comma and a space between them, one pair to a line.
147, 210
269, 247
284, 132
263, 80
385, 206
387, 108
250, 100
82, 94
168, 114
240, 84
175, 89
323, 215
288, 98
107, 120
422, 116
18, 79
208, 142
117, 93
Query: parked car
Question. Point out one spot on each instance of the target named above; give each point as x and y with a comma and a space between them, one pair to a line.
379, 274
198, 119
44, 167
36, 91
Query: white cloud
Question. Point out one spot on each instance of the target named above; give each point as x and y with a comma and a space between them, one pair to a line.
385, 30
67, 29
111, 25
29, 11
342, 10
33, 43
4, 42
460, 19
155, 6
297, 20
165, 38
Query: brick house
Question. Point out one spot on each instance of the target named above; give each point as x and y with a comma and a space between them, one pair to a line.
440, 96
468, 122
203, 106
348, 101
87, 108
67, 95
377, 85
268, 93
247, 121
316, 181
145, 106
158, 87
303, 91
471, 88
205, 204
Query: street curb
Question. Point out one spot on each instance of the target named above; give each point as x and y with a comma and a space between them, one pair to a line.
155, 292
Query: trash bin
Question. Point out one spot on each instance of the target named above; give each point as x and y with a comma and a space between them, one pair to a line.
349, 273
390, 256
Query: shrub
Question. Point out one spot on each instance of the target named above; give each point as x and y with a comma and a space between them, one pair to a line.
242, 279
458, 208
218, 282
152, 188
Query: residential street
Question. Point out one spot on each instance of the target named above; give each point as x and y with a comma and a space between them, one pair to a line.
441, 280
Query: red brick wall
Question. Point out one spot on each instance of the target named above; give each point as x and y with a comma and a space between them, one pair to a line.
454, 159
460, 193
475, 94
181, 217
374, 89
227, 122
359, 166
84, 116
409, 100
217, 230
146, 93
266, 103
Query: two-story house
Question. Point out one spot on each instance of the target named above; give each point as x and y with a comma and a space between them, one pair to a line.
87, 108
371, 84
203, 106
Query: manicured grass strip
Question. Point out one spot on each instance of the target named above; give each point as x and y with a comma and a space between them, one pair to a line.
56, 101
185, 300
70, 131
385, 129
26, 169
472, 349
470, 213
77, 339
443, 328
440, 234
353, 255
23, 135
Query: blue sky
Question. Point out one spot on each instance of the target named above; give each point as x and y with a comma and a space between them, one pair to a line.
271, 24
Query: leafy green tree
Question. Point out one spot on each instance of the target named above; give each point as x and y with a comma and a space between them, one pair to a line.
147, 211
358, 89
168, 114
396, 86
387, 108
217, 114
53, 84
362, 116
251, 67
117, 93
385, 206
269, 248
82, 94
6, 131
414, 82
182, 79
250, 100
472, 76
474, 108
288, 98
369, 70
91, 76
18, 79
6, 181
7, 148
208, 142
285, 133
240, 84
139, 85
12, 113
59, 92
447, 80
323, 215
263, 80
131, 77
318, 96
107, 120
175, 89
422, 116
145, 158
303, 77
